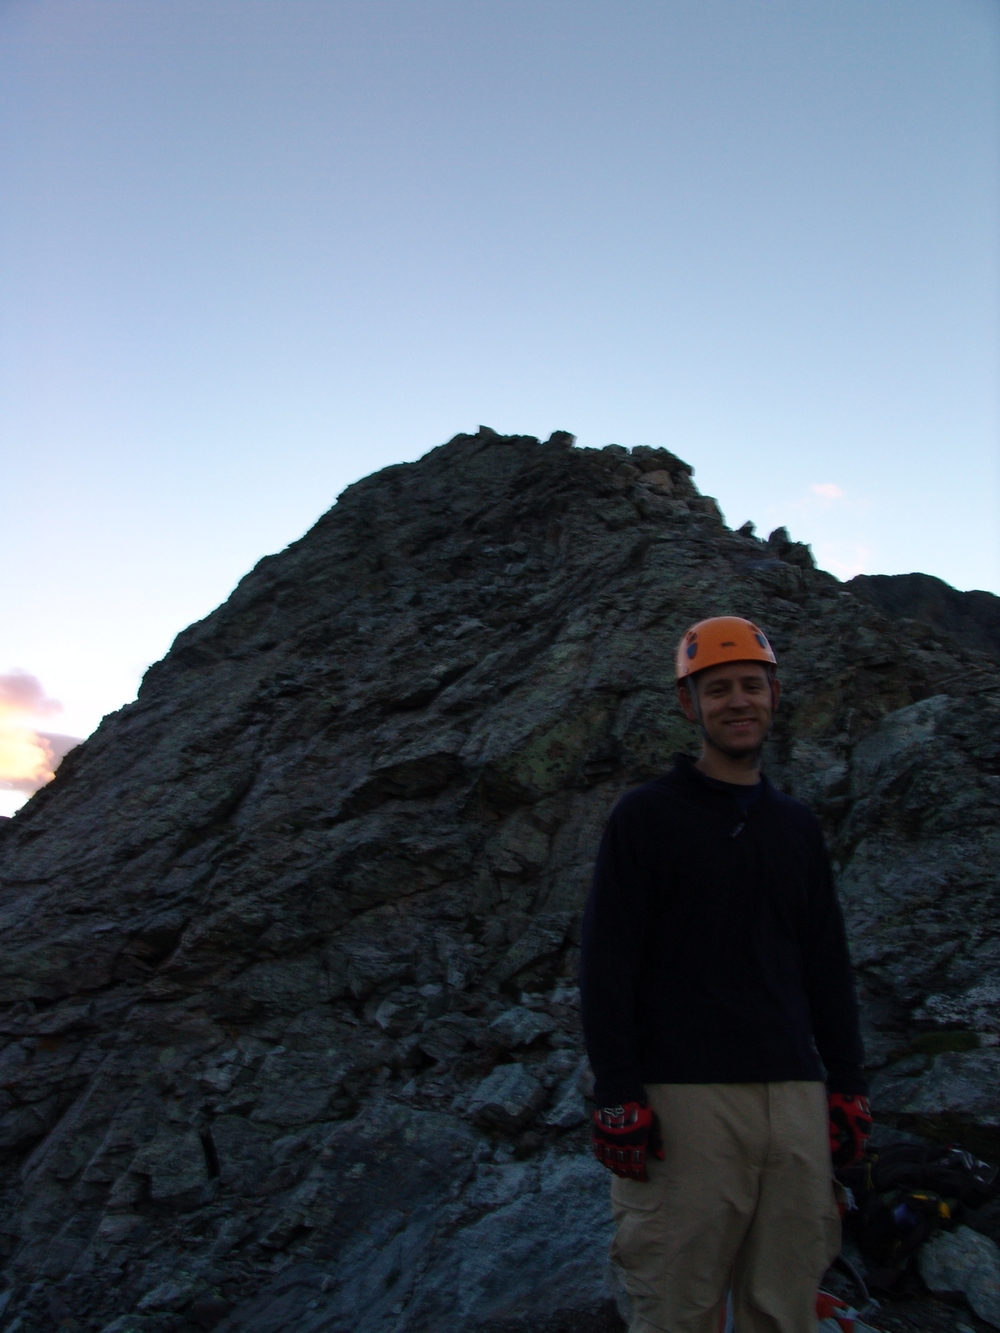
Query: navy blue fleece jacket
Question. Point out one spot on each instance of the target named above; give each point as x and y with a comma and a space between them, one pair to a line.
713, 944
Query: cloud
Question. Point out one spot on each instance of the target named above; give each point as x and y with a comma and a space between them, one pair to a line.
28, 758
21, 694
827, 490
26, 762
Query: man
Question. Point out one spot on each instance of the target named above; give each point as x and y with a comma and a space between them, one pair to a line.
720, 1018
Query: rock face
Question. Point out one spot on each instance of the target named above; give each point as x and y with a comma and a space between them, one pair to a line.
288, 995
970, 618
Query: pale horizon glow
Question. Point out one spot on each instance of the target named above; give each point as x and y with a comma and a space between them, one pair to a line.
253, 250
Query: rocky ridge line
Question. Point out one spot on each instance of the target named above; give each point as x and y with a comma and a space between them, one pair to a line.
970, 618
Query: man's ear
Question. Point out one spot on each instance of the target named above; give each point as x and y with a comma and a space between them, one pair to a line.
685, 701
775, 693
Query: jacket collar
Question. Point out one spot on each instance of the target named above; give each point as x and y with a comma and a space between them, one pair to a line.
684, 766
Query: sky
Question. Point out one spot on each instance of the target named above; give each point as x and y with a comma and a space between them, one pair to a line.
252, 250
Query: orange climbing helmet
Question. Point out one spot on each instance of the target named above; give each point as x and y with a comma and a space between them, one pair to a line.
719, 640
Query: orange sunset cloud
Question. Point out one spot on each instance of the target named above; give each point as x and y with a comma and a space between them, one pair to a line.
28, 757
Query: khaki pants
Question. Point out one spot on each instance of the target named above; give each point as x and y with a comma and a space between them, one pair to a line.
743, 1197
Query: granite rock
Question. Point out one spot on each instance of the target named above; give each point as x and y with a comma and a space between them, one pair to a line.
570, 1107
508, 1098
520, 1027
959, 1083
964, 1262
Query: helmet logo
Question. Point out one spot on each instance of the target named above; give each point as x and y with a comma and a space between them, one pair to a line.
729, 643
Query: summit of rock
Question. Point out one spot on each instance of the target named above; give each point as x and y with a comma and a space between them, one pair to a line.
287, 993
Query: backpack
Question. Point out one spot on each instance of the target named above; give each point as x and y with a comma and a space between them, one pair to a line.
945, 1169
906, 1191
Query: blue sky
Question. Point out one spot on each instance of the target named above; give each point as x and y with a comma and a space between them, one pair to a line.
251, 251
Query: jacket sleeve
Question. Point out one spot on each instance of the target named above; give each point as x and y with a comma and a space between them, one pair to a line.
830, 985
609, 962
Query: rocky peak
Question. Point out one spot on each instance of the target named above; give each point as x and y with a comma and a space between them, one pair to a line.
288, 988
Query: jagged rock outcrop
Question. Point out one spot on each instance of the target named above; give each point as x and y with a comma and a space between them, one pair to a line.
288, 1003
970, 618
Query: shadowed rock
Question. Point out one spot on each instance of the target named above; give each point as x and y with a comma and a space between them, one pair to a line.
969, 618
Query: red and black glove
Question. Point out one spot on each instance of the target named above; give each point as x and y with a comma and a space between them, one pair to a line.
623, 1136
850, 1126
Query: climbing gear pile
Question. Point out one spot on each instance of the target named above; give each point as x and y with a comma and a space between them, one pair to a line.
904, 1193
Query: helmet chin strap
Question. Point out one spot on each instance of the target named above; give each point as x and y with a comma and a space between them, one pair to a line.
696, 705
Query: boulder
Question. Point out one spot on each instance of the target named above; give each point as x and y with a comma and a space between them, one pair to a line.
966, 1263
508, 1098
520, 1027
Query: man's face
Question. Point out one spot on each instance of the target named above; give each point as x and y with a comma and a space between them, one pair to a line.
737, 703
